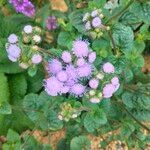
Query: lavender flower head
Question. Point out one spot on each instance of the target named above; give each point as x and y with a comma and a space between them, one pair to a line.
108, 68
28, 29
66, 57
51, 23
36, 59
23, 6
94, 13
13, 52
92, 57
80, 48
62, 76
96, 22
85, 70
78, 89
108, 90
80, 62
53, 86
93, 83
54, 66
13, 39
115, 80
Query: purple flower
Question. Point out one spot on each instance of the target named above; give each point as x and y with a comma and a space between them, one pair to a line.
96, 22
54, 66
66, 57
92, 57
94, 100
13, 52
84, 71
93, 83
115, 81
12, 39
65, 89
36, 58
62, 76
108, 68
71, 72
80, 62
80, 48
29, 9
53, 86
94, 13
51, 23
23, 6
78, 89
108, 90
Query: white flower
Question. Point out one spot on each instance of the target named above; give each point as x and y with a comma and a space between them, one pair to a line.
60, 117
85, 17
74, 116
100, 76
13, 38
92, 92
28, 29
23, 65
95, 100
111, 4
37, 38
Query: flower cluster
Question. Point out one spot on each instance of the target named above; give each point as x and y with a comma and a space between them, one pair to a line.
67, 73
23, 6
51, 23
93, 23
104, 84
25, 50
68, 112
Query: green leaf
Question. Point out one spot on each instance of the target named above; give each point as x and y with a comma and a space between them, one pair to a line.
127, 99
53, 122
64, 39
128, 74
141, 10
10, 68
76, 20
18, 85
12, 136
32, 71
5, 108
123, 37
93, 120
80, 143
4, 89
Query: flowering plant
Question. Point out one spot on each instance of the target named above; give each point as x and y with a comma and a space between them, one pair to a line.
79, 70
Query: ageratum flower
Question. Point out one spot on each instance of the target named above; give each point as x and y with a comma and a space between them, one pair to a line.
13, 52
36, 58
96, 22
13, 39
93, 83
54, 66
81, 62
23, 6
108, 68
28, 29
51, 23
80, 48
92, 57
108, 90
62, 76
78, 89
53, 86
85, 70
66, 57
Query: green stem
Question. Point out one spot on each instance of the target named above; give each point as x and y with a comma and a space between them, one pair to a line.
120, 13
